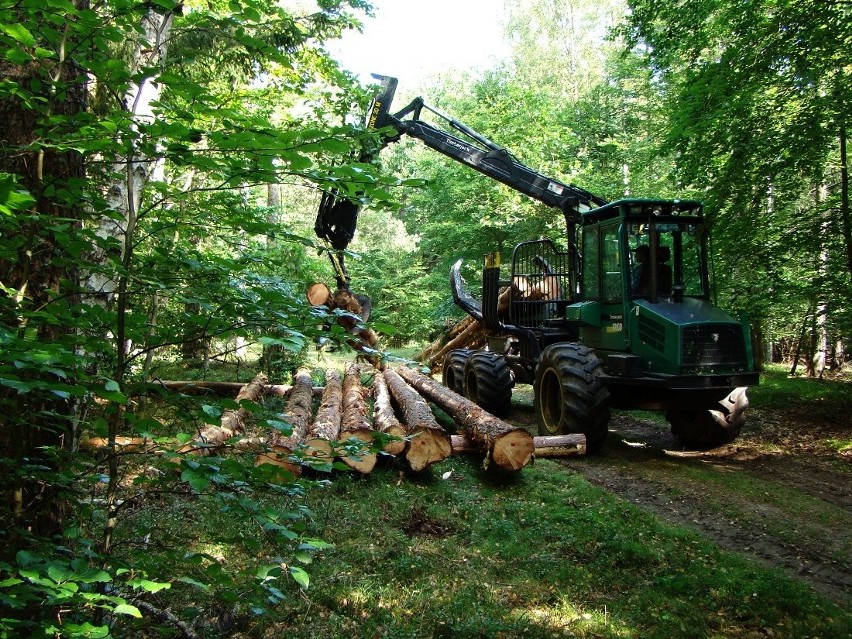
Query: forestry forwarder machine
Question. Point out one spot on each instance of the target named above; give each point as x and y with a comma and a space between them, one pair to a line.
621, 318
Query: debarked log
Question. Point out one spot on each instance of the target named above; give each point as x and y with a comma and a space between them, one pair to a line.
428, 443
506, 446
546, 446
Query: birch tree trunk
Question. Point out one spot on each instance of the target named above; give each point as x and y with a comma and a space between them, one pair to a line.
131, 173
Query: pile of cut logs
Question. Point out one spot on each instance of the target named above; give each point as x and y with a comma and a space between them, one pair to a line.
344, 422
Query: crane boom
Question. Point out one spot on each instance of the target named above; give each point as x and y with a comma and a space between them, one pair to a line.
479, 153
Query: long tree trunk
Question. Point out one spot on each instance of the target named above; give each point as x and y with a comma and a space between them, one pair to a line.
298, 415
384, 417
844, 199
355, 428
232, 422
37, 270
326, 426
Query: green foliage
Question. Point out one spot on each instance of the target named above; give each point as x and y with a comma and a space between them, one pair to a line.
157, 241
757, 97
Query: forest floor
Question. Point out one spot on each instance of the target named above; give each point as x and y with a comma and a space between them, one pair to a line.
780, 494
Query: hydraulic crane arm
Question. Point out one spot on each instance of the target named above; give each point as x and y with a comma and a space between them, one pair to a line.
477, 152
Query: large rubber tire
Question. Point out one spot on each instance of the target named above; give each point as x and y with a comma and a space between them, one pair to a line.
713, 426
452, 370
568, 395
488, 382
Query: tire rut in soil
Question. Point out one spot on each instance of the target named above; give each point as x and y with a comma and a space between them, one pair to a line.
636, 442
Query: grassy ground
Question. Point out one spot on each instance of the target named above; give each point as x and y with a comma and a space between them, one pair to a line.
457, 552
540, 554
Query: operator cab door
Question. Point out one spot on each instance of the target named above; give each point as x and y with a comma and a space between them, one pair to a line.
603, 282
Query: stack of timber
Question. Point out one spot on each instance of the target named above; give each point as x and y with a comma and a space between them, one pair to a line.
468, 333
472, 334
342, 428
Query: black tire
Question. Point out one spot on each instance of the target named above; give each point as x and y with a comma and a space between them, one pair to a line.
568, 395
713, 426
452, 370
488, 382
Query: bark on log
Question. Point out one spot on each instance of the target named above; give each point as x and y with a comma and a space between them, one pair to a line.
384, 417
429, 443
232, 422
545, 446
458, 342
298, 415
507, 446
188, 387
326, 426
354, 422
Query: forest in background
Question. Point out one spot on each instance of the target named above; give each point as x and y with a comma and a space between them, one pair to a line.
161, 165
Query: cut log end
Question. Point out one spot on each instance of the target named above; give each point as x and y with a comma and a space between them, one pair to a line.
428, 446
513, 450
280, 459
363, 461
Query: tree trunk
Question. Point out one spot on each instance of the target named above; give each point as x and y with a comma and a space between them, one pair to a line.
384, 417
507, 446
40, 277
429, 443
326, 426
355, 425
844, 199
298, 415
232, 422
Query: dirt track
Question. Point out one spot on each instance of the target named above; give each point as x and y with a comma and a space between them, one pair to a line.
774, 461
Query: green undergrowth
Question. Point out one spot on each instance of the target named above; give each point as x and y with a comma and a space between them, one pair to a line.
821, 398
